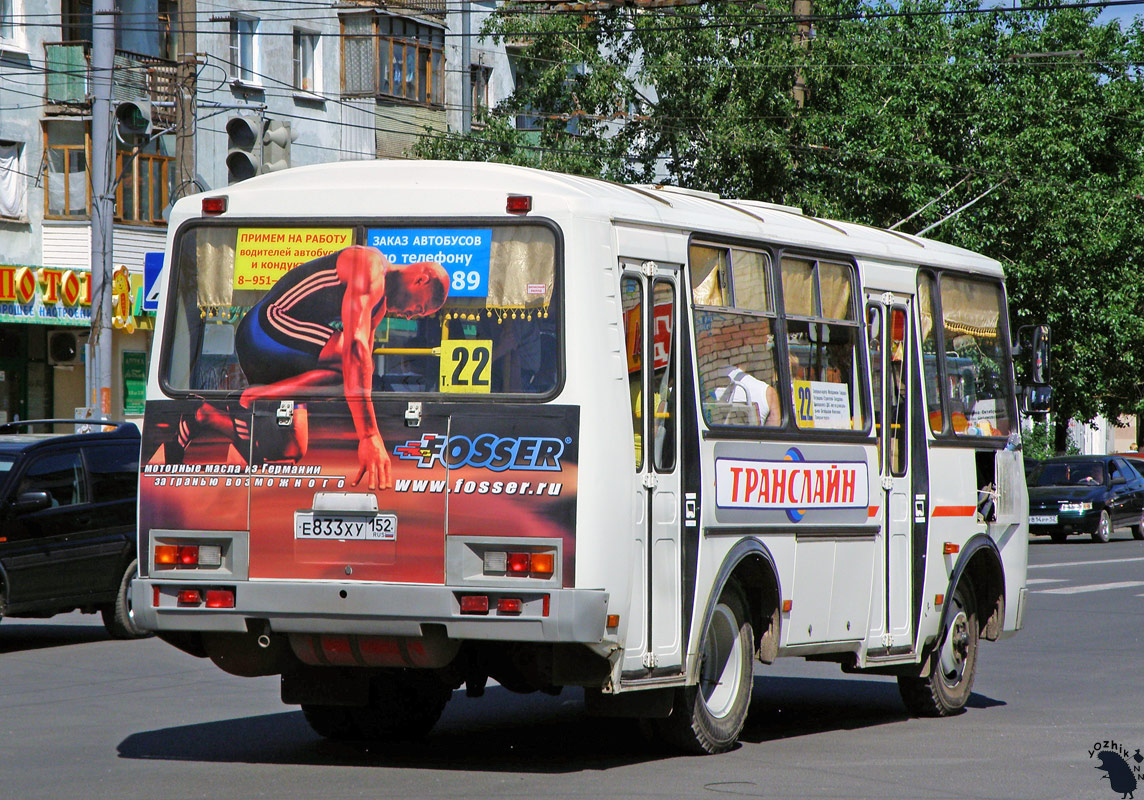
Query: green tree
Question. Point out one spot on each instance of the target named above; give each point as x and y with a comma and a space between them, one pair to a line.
1019, 134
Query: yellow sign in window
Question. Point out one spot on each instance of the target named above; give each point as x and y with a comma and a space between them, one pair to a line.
466, 365
263, 255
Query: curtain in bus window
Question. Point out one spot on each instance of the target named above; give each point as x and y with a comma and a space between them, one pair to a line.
709, 285
524, 275
976, 355
834, 283
798, 287
749, 273
926, 298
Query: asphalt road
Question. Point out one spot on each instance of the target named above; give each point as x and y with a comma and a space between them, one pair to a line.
82, 716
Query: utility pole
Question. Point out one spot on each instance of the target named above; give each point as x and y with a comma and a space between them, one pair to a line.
98, 373
466, 67
186, 77
803, 32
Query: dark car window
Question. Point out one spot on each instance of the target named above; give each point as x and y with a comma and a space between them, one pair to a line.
1070, 473
113, 469
1126, 468
60, 474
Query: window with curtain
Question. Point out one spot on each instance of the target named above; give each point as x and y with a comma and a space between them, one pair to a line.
823, 344
391, 56
734, 317
13, 181
306, 61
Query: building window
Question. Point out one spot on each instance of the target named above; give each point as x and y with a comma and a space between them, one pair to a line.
306, 61
144, 187
67, 184
480, 78
8, 25
143, 183
13, 183
393, 57
244, 49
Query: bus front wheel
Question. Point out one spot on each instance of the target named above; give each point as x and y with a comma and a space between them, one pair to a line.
708, 717
953, 663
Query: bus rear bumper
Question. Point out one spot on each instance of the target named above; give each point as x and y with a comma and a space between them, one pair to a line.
333, 607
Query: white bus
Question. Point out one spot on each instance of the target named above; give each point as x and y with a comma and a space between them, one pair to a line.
413, 425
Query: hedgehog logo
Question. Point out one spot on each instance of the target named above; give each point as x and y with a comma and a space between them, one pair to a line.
1122, 771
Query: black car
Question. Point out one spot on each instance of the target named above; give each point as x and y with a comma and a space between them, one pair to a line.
1085, 494
67, 523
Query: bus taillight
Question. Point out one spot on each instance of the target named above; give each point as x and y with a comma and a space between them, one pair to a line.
518, 204
220, 598
542, 564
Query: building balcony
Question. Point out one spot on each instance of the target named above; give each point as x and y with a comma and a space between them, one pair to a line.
67, 85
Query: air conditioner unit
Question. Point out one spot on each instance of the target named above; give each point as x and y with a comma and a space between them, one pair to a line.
64, 348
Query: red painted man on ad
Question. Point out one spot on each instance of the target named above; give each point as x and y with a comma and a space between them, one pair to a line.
315, 328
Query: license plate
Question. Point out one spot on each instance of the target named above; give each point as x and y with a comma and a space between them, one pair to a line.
327, 525
1043, 519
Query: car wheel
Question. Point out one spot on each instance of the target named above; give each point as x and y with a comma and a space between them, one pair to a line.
1103, 528
1138, 528
119, 617
953, 663
708, 717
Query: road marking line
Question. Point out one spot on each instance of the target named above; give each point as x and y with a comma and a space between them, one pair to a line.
1031, 581
1085, 563
1092, 587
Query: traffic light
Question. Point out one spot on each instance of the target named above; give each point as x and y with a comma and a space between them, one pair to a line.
133, 121
243, 148
256, 146
276, 146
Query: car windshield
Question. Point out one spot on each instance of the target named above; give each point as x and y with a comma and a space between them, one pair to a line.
1072, 473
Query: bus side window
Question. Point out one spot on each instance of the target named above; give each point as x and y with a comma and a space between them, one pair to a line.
823, 345
874, 341
930, 367
735, 336
631, 294
663, 375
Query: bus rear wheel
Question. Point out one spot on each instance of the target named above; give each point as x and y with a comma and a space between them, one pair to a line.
403, 704
331, 722
953, 663
708, 717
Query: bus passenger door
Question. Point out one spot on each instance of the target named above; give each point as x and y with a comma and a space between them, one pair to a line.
651, 304
890, 327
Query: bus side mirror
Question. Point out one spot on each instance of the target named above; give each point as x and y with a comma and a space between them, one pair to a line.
1039, 369
1033, 344
1037, 400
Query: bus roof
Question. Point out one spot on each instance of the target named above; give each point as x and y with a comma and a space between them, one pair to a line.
432, 189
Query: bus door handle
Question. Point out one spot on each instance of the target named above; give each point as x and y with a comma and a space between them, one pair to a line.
650, 480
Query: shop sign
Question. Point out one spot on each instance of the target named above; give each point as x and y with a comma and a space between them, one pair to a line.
45, 295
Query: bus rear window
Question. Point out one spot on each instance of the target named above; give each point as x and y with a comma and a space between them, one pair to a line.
458, 310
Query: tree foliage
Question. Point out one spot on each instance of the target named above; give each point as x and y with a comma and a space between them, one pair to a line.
1019, 134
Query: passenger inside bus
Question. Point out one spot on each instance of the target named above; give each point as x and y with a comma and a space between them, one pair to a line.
758, 395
